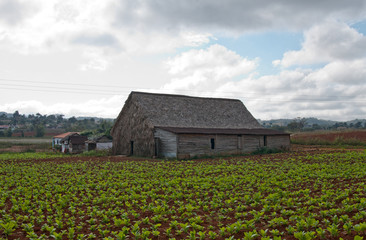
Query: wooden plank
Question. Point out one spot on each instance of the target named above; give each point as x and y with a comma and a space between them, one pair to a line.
251, 143
278, 142
167, 143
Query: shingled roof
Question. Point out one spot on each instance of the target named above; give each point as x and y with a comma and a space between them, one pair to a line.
167, 110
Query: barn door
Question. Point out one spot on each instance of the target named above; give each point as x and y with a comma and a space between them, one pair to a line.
240, 145
131, 148
156, 147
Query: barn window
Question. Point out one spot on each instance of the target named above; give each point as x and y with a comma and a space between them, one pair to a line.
265, 141
212, 143
239, 141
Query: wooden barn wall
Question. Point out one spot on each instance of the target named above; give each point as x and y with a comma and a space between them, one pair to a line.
167, 143
278, 142
76, 148
132, 125
190, 145
251, 143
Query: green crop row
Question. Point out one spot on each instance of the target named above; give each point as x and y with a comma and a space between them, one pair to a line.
30, 156
278, 196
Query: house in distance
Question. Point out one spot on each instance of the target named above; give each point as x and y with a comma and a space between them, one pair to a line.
177, 126
73, 143
56, 140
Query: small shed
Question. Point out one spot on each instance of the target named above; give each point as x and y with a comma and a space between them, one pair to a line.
73, 143
177, 126
56, 140
100, 143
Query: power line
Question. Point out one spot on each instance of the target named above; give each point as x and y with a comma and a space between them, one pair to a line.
137, 87
271, 99
126, 90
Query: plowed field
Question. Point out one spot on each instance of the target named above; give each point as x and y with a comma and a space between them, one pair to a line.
332, 136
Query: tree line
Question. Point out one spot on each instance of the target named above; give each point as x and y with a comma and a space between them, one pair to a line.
19, 124
300, 124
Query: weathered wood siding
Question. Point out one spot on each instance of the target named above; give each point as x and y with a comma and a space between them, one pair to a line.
76, 148
251, 143
278, 142
132, 125
104, 145
190, 145
167, 143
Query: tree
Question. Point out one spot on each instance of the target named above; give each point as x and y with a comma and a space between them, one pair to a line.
358, 125
16, 116
297, 124
39, 130
316, 126
72, 120
8, 132
60, 118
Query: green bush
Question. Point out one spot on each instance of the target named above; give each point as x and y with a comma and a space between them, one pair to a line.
95, 153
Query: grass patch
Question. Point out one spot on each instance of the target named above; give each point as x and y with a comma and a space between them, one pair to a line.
24, 145
30, 155
94, 153
265, 150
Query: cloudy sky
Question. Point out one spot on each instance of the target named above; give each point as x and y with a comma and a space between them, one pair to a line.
283, 58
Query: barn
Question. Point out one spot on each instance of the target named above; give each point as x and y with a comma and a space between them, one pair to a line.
177, 126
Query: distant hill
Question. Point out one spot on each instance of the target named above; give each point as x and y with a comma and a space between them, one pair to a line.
309, 122
9, 115
282, 122
95, 118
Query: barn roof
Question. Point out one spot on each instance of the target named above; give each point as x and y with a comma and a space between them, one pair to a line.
195, 112
228, 131
75, 138
65, 134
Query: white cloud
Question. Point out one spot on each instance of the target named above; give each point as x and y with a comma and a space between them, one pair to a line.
235, 16
145, 27
124, 40
327, 42
333, 91
86, 27
104, 107
348, 73
203, 67
96, 60
59, 25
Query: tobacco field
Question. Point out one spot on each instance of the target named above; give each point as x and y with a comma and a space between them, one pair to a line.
298, 195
